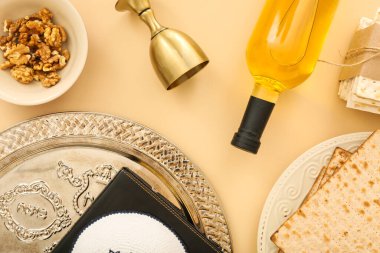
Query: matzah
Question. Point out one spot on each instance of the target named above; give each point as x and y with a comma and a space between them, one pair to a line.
316, 184
340, 156
344, 215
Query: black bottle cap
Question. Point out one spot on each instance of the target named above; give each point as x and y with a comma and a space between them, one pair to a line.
253, 124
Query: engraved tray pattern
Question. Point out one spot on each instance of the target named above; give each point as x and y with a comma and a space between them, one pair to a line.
141, 142
295, 182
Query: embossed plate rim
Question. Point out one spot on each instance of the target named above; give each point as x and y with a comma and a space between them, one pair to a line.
322, 152
53, 126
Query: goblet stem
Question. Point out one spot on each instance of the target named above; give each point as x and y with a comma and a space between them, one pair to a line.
149, 19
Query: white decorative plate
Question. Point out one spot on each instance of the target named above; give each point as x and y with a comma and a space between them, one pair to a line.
293, 185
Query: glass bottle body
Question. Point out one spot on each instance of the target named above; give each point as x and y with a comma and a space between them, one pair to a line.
282, 53
286, 43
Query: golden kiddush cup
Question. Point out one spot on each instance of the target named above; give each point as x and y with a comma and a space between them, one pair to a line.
174, 55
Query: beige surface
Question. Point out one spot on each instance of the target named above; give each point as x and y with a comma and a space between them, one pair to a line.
201, 116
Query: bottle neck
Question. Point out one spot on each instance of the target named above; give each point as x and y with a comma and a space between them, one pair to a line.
267, 89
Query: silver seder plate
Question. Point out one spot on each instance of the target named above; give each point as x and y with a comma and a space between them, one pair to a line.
53, 167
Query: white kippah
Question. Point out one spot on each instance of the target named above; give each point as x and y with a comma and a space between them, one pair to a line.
128, 233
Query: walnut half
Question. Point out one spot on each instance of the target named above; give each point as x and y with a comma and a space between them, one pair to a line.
47, 79
22, 74
18, 54
6, 65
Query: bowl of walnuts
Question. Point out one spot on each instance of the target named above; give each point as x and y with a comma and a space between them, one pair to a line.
43, 50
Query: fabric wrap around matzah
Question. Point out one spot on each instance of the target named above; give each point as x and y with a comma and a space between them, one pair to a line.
344, 215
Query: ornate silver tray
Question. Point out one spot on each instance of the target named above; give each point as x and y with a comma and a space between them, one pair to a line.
53, 167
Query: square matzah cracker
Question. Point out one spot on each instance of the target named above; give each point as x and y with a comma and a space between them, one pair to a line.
344, 216
315, 186
340, 156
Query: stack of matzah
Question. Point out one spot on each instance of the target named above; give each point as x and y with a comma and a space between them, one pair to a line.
360, 84
342, 214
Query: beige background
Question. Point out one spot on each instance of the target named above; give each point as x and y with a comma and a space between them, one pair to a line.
201, 116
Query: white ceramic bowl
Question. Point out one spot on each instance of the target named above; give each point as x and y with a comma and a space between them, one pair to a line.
64, 14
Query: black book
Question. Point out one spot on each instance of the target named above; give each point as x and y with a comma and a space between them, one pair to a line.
129, 193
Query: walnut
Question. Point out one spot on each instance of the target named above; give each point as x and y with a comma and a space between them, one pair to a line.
36, 26
3, 40
43, 52
22, 74
33, 59
38, 65
54, 58
66, 54
47, 79
50, 79
58, 49
53, 37
6, 65
18, 26
45, 15
19, 49
22, 60
18, 55
34, 40
33, 48
7, 24
56, 62
6, 46
39, 75
62, 32
23, 38
47, 67
62, 62
23, 29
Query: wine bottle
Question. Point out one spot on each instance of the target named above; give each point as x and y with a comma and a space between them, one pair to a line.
282, 53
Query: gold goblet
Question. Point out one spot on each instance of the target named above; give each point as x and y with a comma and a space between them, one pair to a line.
174, 55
